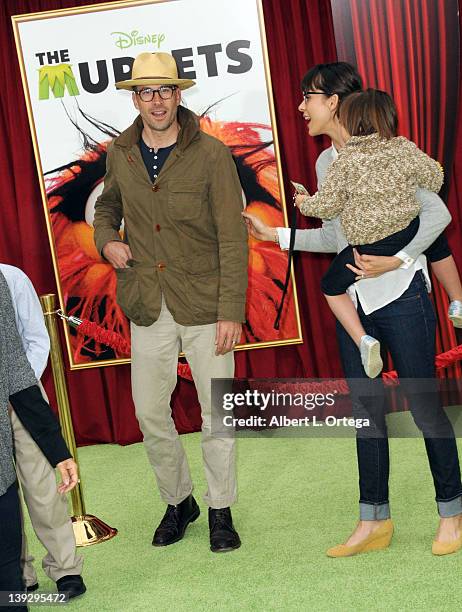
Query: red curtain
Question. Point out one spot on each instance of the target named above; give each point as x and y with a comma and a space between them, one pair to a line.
299, 33
411, 49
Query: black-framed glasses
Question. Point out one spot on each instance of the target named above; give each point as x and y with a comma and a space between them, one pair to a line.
165, 92
306, 93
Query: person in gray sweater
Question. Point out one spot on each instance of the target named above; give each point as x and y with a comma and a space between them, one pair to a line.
18, 386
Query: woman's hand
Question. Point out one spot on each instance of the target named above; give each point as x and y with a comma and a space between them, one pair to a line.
370, 266
258, 229
69, 475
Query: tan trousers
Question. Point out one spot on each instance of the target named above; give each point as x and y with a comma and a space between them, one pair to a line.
48, 510
155, 352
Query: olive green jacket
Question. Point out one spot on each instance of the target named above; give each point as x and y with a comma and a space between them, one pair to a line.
185, 230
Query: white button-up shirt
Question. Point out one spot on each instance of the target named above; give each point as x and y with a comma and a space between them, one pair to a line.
29, 318
375, 293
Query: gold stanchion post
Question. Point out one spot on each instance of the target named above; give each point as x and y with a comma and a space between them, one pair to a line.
88, 529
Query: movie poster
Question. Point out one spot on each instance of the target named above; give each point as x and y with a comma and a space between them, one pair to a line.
70, 60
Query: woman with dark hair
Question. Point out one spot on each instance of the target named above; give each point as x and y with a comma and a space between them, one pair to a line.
378, 209
18, 385
397, 311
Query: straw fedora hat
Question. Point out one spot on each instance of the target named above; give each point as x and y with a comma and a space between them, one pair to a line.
155, 69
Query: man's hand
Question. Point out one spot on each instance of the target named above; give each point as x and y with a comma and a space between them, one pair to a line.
257, 228
117, 253
228, 335
369, 266
69, 475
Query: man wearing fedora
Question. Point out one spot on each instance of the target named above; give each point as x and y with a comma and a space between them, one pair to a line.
181, 279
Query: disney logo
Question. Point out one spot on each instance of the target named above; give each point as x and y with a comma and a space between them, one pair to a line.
125, 40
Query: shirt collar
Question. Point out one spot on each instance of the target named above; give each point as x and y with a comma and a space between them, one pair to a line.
334, 152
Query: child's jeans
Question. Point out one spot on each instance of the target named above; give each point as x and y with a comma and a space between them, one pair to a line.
338, 277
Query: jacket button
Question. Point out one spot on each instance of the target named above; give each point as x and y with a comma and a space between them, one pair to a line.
157, 228
155, 187
161, 266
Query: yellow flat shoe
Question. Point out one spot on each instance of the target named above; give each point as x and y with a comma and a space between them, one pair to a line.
378, 540
446, 548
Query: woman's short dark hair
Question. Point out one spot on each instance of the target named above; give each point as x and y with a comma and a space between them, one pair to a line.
338, 78
368, 112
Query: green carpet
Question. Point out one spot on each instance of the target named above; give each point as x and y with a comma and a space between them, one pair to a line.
297, 498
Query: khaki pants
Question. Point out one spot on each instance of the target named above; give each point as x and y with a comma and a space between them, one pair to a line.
48, 510
155, 352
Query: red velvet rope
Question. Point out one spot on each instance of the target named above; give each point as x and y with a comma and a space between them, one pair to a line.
340, 386
104, 336
117, 342
443, 360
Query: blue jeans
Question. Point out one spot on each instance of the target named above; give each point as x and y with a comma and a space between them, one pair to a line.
407, 328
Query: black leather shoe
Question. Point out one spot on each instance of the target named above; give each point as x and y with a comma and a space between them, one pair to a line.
176, 518
223, 536
71, 585
32, 587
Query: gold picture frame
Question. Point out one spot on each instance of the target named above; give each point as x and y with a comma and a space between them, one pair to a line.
16, 21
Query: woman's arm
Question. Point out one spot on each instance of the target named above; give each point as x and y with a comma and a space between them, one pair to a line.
434, 217
320, 240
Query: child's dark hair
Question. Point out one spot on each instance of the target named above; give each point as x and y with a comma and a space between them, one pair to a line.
368, 112
338, 78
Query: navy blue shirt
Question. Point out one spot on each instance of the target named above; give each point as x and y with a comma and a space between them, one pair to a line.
154, 160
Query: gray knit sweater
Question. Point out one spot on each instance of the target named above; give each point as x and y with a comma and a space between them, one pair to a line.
16, 374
